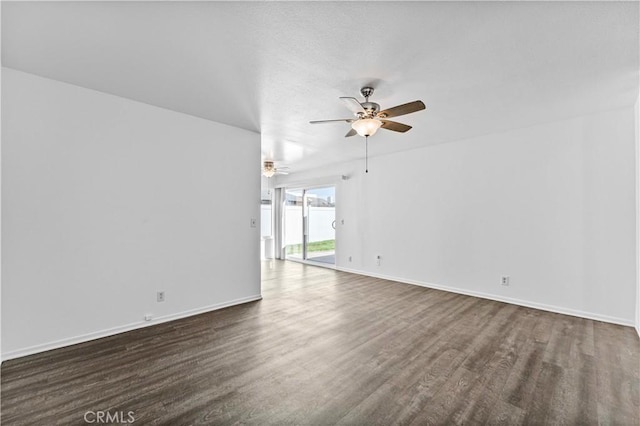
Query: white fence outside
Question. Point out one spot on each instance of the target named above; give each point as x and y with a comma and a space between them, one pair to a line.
320, 229
320, 221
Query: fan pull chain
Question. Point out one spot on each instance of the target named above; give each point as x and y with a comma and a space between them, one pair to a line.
366, 154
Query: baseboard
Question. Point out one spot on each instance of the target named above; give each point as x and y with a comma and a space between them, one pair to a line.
124, 328
497, 298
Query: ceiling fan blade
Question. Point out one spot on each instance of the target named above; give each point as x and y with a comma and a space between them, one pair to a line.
348, 120
280, 172
353, 105
350, 133
402, 109
395, 126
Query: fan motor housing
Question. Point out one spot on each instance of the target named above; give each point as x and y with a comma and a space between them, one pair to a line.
371, 107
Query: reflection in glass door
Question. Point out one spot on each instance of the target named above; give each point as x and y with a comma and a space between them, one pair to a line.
309, 226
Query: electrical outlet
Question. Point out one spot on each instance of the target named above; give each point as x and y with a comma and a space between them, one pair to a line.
148, 317
161, 296
378, 260
349, 258
254, 222
504, 281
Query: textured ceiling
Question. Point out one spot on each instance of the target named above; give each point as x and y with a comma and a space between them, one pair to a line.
273, 66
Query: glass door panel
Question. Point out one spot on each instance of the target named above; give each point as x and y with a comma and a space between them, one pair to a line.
293, 220
319, 224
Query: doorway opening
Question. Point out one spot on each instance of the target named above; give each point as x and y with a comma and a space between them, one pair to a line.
309, 225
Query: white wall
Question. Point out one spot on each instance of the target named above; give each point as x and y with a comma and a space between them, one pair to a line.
265, 220
551, 206
636, 114
0, 193
105, 201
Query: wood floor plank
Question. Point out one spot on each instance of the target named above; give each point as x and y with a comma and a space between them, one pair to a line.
537, 412
505, 414
519, 389
328, 347
425, 374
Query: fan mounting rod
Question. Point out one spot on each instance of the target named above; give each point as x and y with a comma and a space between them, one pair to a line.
366, 92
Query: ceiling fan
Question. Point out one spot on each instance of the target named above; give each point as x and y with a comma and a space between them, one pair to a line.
369, 118
269, 169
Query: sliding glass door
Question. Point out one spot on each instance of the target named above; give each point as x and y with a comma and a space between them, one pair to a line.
310, 222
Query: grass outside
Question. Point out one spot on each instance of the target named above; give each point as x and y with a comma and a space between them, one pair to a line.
327, 245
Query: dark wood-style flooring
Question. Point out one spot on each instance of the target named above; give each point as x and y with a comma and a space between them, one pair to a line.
327, 347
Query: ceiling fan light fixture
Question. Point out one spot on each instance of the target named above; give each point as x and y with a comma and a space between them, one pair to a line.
269, 169
366, 126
